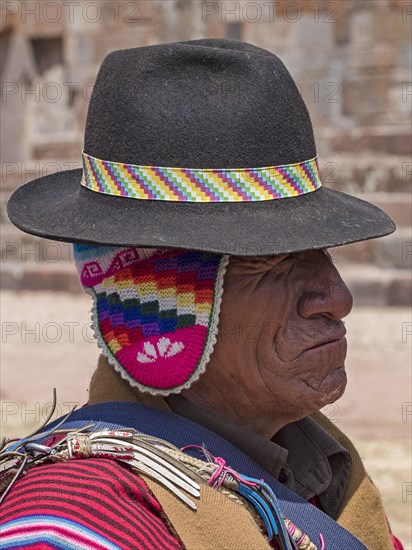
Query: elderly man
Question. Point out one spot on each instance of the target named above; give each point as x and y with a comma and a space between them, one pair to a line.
201, 230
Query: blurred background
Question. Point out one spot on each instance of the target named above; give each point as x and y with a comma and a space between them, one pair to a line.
352, 62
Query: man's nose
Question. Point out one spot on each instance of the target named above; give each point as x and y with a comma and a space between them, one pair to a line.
328, 295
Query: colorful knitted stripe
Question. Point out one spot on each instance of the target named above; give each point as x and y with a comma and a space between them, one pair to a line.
200, 185
96, 504
155, 311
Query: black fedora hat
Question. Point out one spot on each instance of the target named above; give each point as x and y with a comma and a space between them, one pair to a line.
206, 145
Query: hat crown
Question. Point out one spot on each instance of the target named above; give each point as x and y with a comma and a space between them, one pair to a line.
212, 103
175, 110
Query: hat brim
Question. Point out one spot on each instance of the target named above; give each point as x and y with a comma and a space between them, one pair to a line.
58, 208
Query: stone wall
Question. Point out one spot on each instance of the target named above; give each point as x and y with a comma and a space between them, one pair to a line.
351, 60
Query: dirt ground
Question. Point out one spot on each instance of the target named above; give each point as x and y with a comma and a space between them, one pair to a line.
47, 342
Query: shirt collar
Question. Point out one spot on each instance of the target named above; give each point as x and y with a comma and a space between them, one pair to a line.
302, 455
265, 452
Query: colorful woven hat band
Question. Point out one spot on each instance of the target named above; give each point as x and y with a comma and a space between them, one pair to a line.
155, 312
200, 185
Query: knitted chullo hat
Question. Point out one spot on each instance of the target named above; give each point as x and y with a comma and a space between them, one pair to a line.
155, 311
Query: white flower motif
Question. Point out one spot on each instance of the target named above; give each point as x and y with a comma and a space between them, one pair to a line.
165, 348
150, 356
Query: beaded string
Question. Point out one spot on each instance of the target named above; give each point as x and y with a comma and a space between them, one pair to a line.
220, 475
301, 539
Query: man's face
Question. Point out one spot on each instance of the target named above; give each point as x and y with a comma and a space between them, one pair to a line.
281, 341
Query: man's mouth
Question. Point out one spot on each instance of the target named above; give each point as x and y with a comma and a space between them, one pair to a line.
337, 337
326, 342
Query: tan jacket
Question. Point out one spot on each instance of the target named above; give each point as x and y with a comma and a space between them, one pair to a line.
361, 513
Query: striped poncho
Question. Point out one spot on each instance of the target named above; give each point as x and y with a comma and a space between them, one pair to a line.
94, 504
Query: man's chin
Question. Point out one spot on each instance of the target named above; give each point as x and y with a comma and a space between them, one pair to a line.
333, 386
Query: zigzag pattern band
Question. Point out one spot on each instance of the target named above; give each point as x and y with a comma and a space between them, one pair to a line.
200, 185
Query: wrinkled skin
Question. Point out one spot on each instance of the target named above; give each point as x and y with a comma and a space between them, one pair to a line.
281, 345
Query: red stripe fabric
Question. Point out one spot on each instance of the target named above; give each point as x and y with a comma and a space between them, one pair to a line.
39, 546
396, 543
67, 506
99, 494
